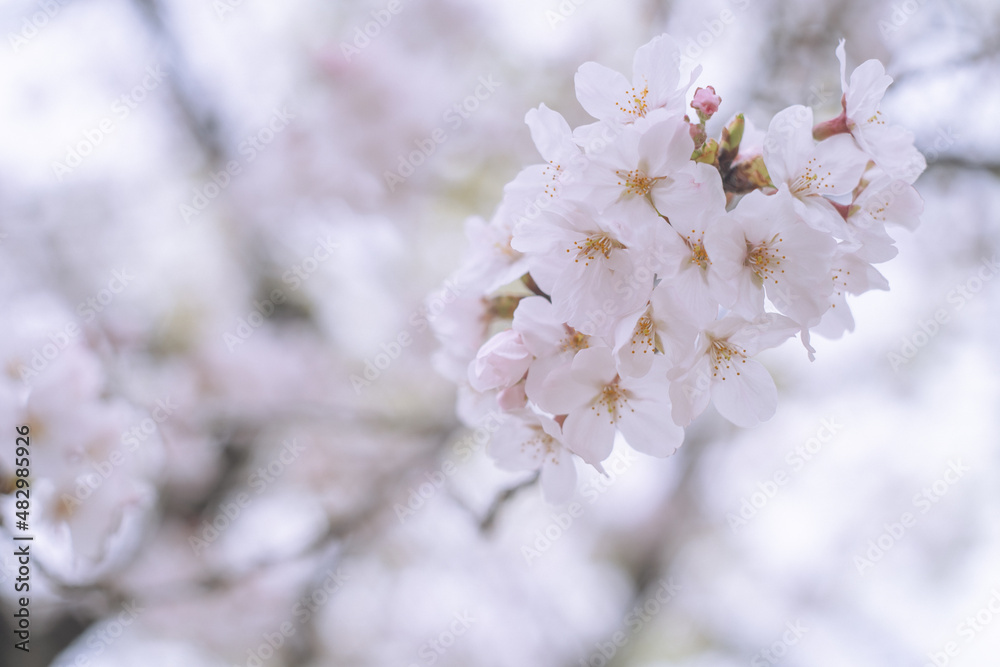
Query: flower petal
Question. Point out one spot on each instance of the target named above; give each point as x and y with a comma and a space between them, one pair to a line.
656, 66
650, 429
559, 477
552, 134
590, 434
599, 88
748, 398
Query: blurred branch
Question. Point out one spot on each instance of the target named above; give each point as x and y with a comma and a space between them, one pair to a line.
198, 115
489, 519
679, 519
951, 162
948, 67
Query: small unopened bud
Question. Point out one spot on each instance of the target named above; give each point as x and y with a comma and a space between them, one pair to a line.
501, 362
707, 152
706, 102
512, 398
729, 145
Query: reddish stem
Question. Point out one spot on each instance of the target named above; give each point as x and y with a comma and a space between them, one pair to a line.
843, 209
831, 127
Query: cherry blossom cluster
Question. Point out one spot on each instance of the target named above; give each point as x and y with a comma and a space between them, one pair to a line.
631, 278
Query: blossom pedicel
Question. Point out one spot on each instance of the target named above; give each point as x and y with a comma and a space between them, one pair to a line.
631, 279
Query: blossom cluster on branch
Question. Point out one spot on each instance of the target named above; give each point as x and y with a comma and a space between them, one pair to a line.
632, 277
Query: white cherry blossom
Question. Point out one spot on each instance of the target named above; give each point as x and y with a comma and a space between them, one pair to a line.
598, 401
849, 274
637, 172
491, 262
586, 262
608, 95
763, 247
528, 440
564, 159
812, 171
883, 201
696, 207
662, 328
722, 369
889, 146
550, 341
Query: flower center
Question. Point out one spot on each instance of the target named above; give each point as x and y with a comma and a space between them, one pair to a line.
635, 182
724, 356
598, 244
574, 340
505, 249
764, 260
698, 255
611, 400
876, 119
635, 105
697, 247
542, 444
811, 181
642, 337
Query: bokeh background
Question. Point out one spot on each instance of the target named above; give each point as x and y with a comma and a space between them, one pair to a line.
199, 250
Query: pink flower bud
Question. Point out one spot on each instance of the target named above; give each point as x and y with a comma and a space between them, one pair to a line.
501, 362
706, 102
512, 398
